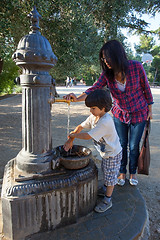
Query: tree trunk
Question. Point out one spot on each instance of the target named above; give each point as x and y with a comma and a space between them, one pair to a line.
1, 65
155, 75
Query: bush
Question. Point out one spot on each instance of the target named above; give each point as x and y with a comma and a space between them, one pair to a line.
17, 89
7, 76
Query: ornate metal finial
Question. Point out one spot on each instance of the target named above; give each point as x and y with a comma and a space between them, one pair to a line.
35, 16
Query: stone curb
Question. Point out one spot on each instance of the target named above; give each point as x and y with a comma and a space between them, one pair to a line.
133, 223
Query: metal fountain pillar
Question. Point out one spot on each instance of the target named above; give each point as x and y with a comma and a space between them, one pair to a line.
38, 194
34, 55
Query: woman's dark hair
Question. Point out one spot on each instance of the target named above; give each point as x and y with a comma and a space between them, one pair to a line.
99, 98
115, 56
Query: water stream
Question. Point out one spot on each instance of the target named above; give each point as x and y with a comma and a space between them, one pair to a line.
68, 122
68, 118
68, 125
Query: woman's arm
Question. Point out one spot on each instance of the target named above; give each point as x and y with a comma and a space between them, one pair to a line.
146, 91
101, 82
145, 86
72, 96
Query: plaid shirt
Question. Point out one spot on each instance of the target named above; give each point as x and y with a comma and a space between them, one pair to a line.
130, 106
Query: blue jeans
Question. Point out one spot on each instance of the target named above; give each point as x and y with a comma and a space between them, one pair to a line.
129, 135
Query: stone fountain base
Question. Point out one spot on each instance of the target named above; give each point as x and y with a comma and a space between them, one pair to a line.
40, 203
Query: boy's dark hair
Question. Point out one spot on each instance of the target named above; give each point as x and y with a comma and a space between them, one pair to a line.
99, 98
116, 57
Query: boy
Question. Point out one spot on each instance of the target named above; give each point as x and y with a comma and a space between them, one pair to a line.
105, 140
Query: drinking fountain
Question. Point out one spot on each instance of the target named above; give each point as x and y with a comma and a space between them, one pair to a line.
44, 188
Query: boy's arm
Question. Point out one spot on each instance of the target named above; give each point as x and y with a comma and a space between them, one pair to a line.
84, 136
77, 132
78, 129
69, 144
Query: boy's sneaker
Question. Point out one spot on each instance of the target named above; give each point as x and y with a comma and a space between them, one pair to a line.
102, 191
103, 206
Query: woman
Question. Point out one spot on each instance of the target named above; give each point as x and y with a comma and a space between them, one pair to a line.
132, 101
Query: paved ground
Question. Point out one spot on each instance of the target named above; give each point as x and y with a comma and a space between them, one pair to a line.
128, 216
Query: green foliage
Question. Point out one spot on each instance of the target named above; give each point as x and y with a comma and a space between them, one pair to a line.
76, 30
112, 15
156, 62
155, 51
8, 75
154, 6
147, 69
13, 25
76, 41
146, 44
17, 89
89, 73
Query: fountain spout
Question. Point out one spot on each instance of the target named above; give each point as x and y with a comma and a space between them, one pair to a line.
64, 100
53, 100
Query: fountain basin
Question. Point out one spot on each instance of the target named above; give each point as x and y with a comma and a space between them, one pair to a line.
46, 203
76, 158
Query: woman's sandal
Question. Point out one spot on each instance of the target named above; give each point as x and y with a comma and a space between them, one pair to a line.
120, 181
133, 181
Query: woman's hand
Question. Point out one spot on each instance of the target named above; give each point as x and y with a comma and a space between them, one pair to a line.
150, 112
70, 96
149, 116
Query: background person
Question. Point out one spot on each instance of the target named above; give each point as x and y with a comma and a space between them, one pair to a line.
67, 81
132, 106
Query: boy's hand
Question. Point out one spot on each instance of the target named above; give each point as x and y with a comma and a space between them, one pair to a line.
72, 135
68, 145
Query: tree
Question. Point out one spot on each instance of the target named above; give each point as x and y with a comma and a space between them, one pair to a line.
145, 45
156, 63
76, 30
154, 6
76, 41
7, 76
112, 15
71, 32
